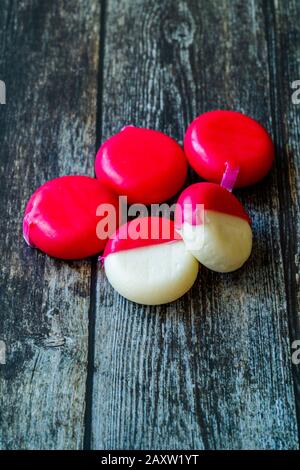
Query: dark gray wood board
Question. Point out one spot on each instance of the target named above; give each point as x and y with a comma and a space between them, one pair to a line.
86, 368
49, 55
284, 58
212, 370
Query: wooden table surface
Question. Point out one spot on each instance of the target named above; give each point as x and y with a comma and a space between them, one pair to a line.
84, 367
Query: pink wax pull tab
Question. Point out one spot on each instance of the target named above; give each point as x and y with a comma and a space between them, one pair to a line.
127, 127
26, 230
230, 176
101, 260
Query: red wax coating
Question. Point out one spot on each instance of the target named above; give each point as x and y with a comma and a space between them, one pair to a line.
213, 197
219, 138
60, 218
153, 231
145, 165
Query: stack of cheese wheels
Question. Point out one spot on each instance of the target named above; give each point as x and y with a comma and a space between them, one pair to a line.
215, 227
146, 261
153, 260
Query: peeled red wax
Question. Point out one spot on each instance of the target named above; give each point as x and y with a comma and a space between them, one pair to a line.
61, 217
145, 165
214, 226
153, 268
218, 139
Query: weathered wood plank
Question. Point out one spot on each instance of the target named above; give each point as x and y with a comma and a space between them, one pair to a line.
284, 60
49, 61
212, 370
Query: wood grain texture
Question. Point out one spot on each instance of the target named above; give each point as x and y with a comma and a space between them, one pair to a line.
284, 62
49, 60
212, 370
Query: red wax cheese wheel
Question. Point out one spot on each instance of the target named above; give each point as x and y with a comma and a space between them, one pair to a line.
145, 165
146, 262
214, 226
219, 138
61, 217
